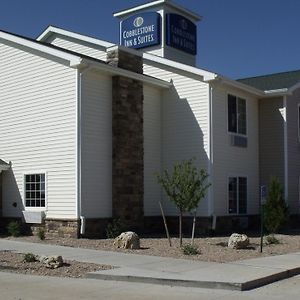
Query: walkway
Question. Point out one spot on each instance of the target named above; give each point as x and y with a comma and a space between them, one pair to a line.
241, 275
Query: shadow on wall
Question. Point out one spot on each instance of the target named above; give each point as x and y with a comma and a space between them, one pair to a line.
11, 196
183, 137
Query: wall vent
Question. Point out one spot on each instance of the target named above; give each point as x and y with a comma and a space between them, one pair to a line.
238, 141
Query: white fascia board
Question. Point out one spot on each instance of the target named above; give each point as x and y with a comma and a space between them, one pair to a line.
54, 30
73, 59
277, 93
238, 85
187, 12
294, 87
126, 73
179, 66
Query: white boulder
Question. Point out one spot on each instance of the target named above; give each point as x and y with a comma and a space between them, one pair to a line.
127, 240
52, 262
238, 241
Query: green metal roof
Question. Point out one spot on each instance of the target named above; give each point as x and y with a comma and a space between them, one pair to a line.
273, 81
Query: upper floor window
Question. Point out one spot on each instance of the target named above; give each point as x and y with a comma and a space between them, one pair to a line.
237, 120
35, 190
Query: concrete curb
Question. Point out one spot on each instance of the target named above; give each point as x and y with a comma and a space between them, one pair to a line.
164, 281
234, 286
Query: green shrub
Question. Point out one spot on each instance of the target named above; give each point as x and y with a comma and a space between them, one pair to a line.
14, 228
190, 250
29, 257
114, 229
185, 186
275, 211
272, 240
41, 234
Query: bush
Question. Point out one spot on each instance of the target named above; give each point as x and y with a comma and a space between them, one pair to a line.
14, 228
41, 234
190, 250
275, 211
114, 229
29, 257
272, 240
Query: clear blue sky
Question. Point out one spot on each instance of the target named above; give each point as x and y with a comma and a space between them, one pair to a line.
236, 38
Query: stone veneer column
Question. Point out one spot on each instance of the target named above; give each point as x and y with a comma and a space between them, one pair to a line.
128, 140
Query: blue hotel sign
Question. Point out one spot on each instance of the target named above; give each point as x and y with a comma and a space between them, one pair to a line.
181, 33
141, 30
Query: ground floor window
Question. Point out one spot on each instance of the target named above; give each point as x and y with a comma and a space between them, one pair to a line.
237, 195
35, 190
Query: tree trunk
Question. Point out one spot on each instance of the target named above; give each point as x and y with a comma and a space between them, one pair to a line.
194, 226
165, 222
180, 228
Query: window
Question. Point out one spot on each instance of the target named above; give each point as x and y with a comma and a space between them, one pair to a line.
237, 120
237, 195
35, 190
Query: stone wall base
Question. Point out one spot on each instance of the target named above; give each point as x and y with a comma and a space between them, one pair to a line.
155, 225
62, 228
224, 224
96, 228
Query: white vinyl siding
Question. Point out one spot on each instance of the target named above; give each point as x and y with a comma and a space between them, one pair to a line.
271, 140
152, 149
229, 160
38, 129
80, 47
293, 151
96, 173
185, 119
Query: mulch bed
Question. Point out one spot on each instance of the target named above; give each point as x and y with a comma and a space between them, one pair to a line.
14, 262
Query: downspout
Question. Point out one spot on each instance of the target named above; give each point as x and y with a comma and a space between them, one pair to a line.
79, 215
286, 182
210, 159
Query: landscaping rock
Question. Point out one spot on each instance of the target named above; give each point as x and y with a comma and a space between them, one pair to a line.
238, 241
127, 240
52, 262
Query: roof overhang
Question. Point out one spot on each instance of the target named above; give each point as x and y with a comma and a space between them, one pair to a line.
112, 70
74, 60
233, 83
254, 91
205, 75
277, 93
51, 30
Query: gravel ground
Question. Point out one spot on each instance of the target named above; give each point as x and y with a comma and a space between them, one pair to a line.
14, 262
211, 248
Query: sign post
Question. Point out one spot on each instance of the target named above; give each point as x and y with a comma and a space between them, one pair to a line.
263, 199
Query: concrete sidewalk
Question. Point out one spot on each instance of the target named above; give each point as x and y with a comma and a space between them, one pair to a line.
241, 275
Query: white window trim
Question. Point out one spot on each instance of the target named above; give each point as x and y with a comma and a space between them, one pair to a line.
227, 184
227, 119
30, 208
